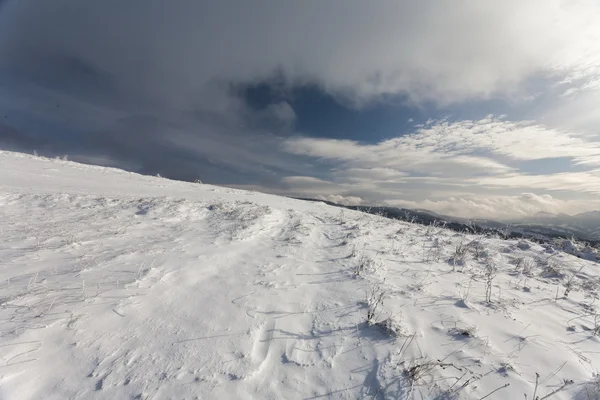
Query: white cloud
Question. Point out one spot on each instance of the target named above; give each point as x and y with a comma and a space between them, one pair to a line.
518, 140
369, 174
343, 200
305, 181
478, 158
581, 182
502, 207
577, 109
455, 147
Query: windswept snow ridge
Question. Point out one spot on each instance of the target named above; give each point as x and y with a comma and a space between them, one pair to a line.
120, 286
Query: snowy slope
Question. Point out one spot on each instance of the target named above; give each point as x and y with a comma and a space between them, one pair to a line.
120, 286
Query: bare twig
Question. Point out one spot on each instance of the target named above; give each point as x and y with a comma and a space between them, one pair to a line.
494, 391
566, 383
537, 380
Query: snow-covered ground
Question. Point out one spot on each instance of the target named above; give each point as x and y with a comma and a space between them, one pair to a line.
120, 286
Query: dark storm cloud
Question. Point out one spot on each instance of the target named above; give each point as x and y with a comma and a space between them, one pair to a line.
170, 50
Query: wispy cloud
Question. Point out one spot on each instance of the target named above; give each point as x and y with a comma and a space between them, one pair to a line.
471, 155
502, 207
573, 182
460, 143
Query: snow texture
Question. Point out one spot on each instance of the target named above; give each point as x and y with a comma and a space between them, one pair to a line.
120, 286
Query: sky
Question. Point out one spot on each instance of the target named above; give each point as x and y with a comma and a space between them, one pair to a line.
467, 108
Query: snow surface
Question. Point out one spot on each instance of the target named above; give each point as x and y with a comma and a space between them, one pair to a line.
120, 286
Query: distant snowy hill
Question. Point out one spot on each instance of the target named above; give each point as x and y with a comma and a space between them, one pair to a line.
543, 227
585, 225
120, 286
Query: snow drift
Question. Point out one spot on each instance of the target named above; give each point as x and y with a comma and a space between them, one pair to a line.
118, 286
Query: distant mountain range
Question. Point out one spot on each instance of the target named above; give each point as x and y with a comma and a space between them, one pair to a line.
585, 225
540, 227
